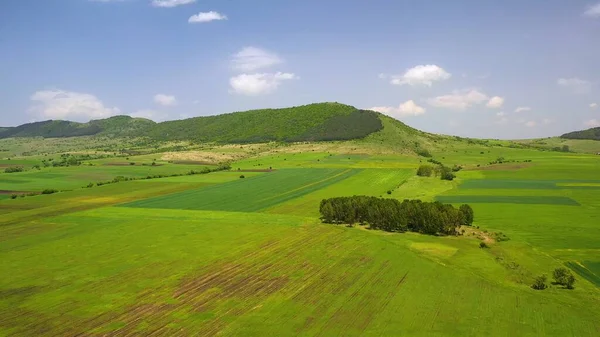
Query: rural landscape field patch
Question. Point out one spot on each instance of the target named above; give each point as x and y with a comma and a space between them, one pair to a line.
251, 194
504, 199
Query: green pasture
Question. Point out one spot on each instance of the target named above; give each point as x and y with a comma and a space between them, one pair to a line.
251, 194
375, 182
142, 271
73, 177
216, 254
588, 270
505, 199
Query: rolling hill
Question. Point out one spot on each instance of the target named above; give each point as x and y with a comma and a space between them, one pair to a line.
593, 134
313, 122
114, 126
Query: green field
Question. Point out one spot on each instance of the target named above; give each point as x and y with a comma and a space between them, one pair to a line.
217, 254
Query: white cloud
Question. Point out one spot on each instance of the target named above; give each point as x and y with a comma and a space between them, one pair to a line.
458, 100
547, 121
530, 124
156, 116
165, 100
575, 84
594, 105
592, 123
206, 17
258, 84
593, 11
252, 58
61, 104
522, 109
495, 102
171, 3
408, 108
424, 75
500, 114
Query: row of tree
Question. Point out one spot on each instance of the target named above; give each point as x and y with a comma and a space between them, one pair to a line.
444, 172
394, 216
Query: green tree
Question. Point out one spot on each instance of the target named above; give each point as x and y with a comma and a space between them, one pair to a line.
564, 277
467, 214
540, 283
570, 282
425, 171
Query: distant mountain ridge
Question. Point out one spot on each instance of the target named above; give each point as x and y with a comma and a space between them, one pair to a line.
593, 134
113, 126
313, 122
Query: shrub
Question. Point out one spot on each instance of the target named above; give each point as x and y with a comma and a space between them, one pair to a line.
540, 283
389, 192
564, 276
483, 245
242, 176
132, 163
14, 169
90, 185
446, 174
467, 214
425, 171
456, 168
49, 191
14, 196
423, 153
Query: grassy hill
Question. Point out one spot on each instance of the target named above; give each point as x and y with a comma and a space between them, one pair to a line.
313, 122
593, 134
115, 126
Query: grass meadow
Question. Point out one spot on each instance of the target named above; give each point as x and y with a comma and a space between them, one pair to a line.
216, 254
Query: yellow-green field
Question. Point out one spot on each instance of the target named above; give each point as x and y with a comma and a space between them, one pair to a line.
217, 254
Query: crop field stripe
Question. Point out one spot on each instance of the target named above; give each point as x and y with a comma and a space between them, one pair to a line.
504, 199
309, 185
250, 195
584, 272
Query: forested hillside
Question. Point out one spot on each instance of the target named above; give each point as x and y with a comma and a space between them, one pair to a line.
115, 126
593, 134
313, 122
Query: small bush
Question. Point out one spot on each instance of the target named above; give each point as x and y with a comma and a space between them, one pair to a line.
540, 283
425, 171
483, 245
389, 192
242, 176
14, 196
564, 277
90, 185
446, 174
424, 153
14, 169
49, 191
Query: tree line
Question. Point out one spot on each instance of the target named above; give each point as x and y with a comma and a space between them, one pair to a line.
394, 216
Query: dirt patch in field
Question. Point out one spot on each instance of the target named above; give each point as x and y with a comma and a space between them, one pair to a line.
500, 167
118, 164
10, 192
255, 170
193, 162
200, 156
128, 164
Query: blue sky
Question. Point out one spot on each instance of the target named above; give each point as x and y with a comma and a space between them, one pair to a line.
501, 69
